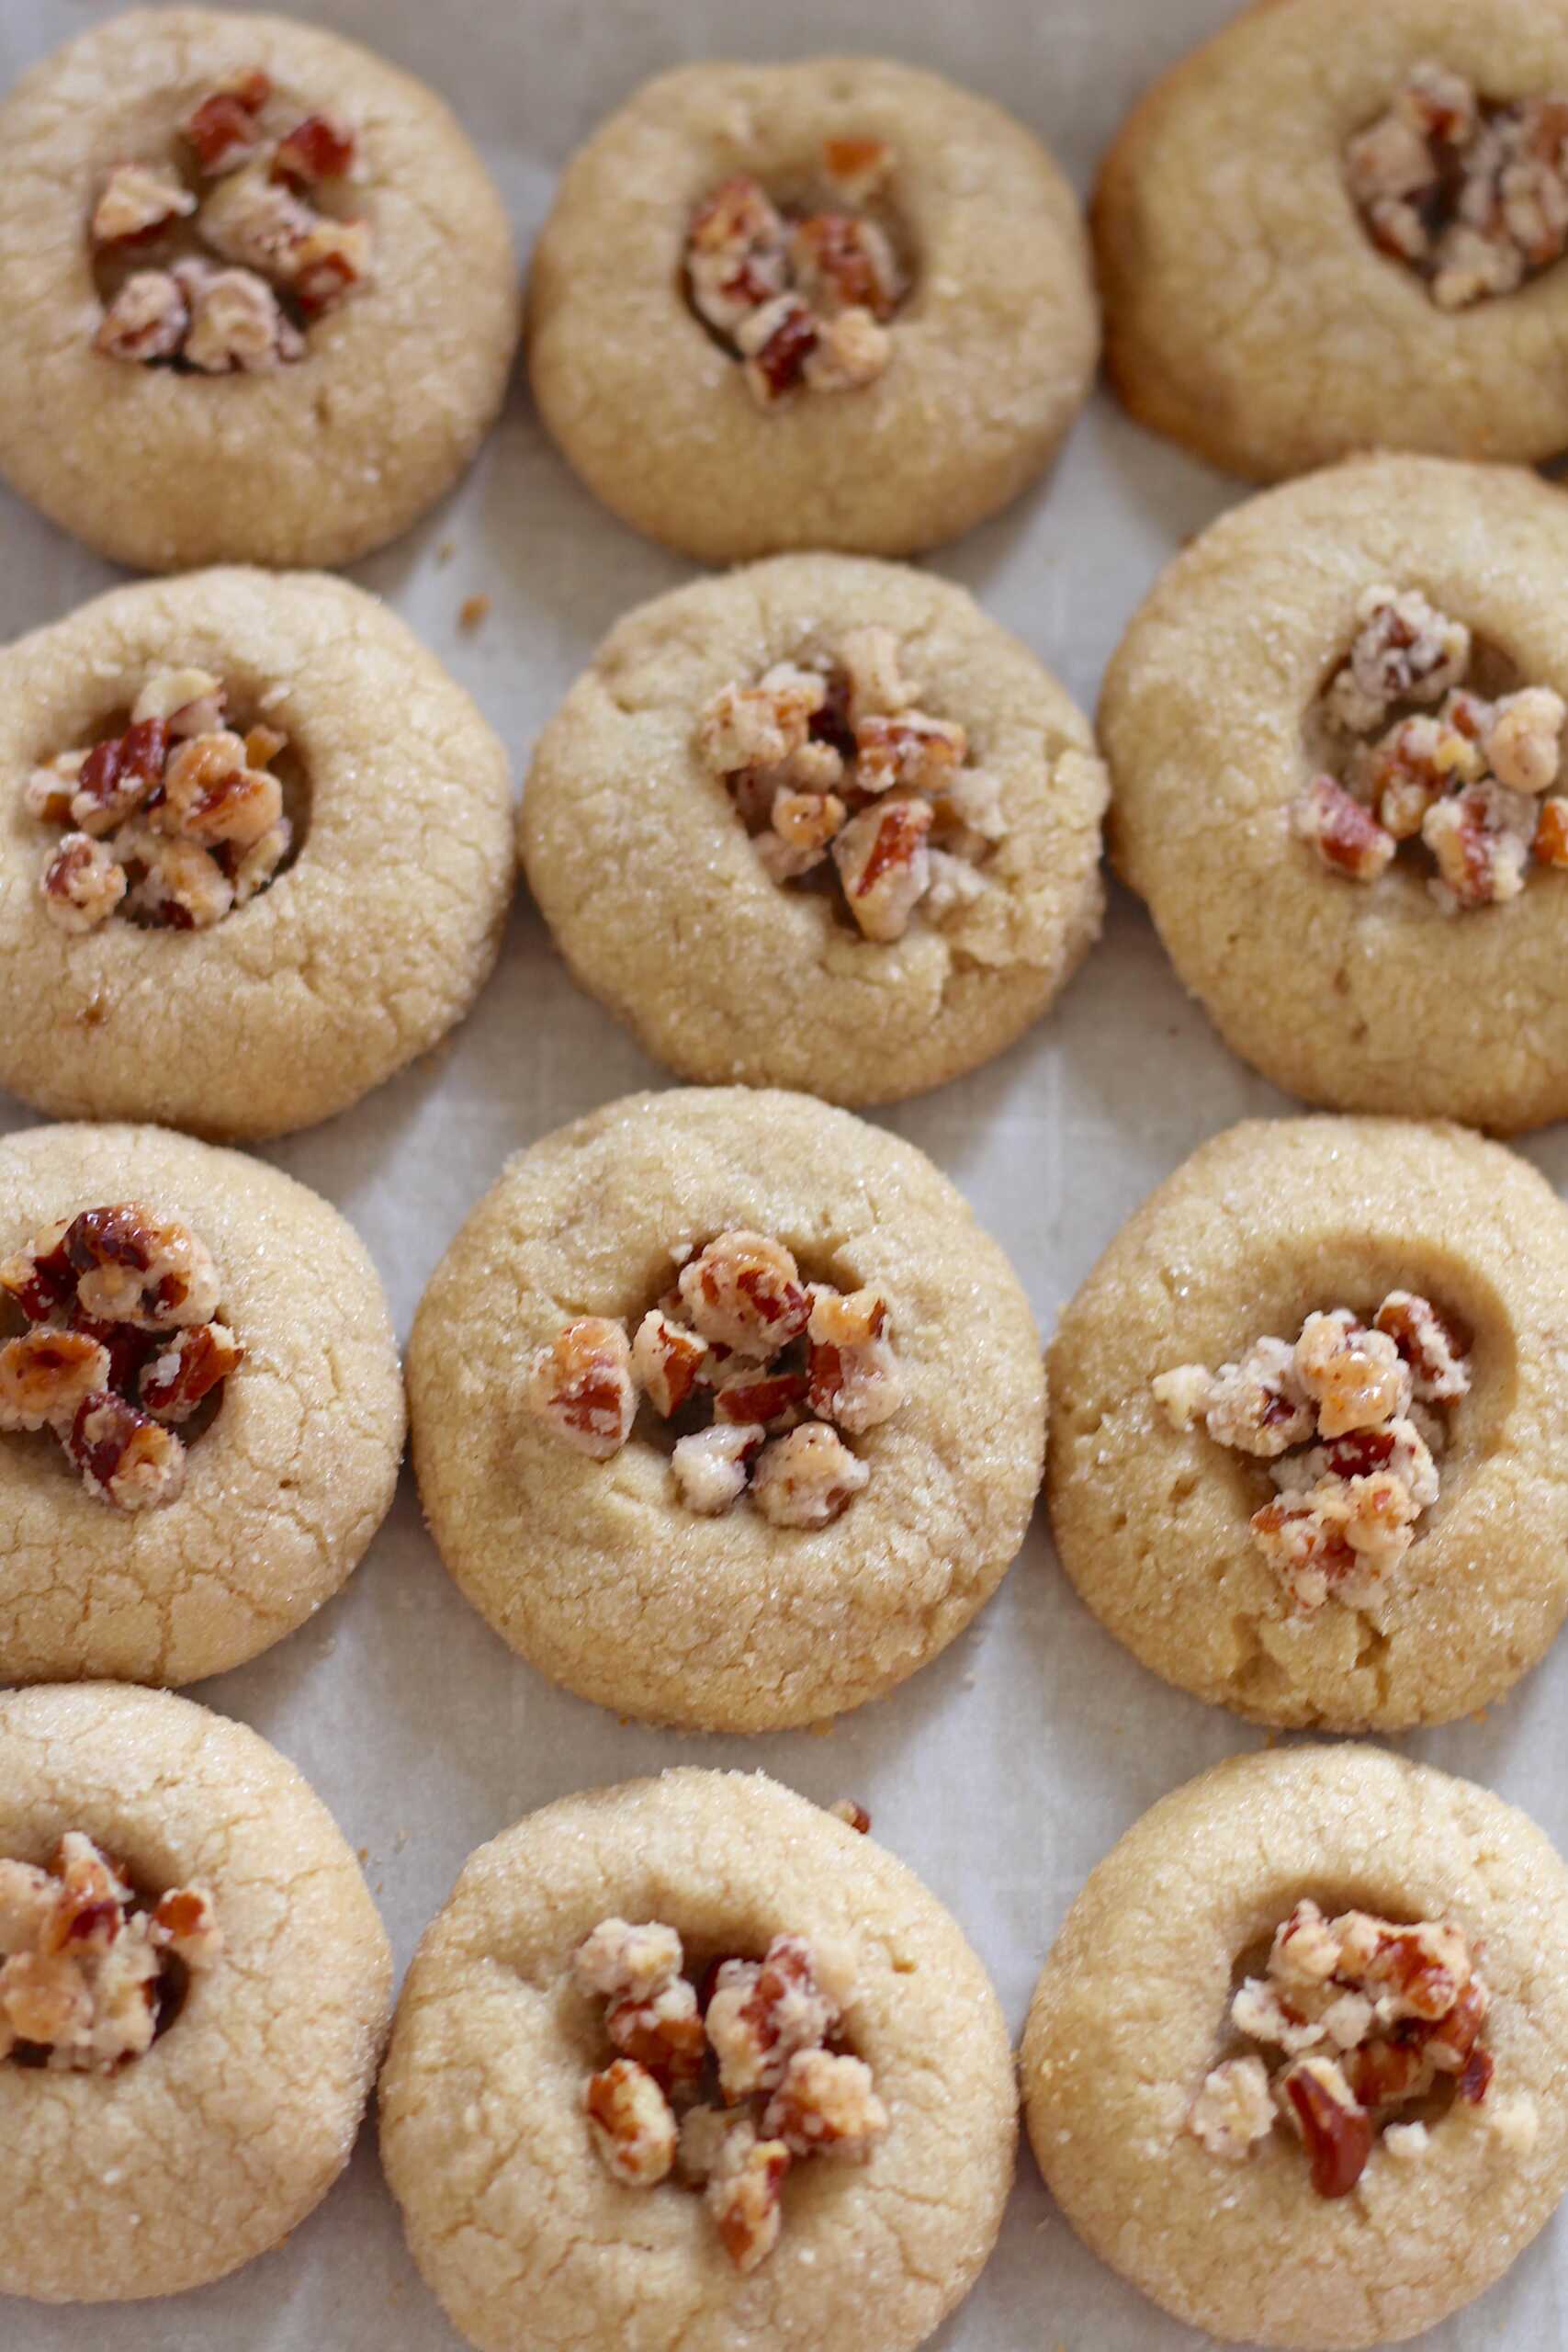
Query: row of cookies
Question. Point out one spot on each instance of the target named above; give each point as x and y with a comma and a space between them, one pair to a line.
854, 296
727, 1414
261, 848
689, 2060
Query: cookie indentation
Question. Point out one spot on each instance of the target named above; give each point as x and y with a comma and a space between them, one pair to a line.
1471, 193
800, 292
92, 1970
1420, 752
122, 1349
726, 2087
1371, 2029
216, 259
1352, 1421
174, 819
837, 774
757, 1372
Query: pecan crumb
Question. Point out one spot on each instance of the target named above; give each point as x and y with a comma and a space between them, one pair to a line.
1369, 2017
84, 1981
801, 300
1333, 1415
1465, 779
730, 2091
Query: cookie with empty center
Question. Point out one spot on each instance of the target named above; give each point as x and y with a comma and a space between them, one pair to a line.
820, 824
256, 853
726, 1413
1309, 1445
201, 1416
262, 292
1334, 228
690, 2059
841, 303
1336, 737
1295, 2065
194, 1991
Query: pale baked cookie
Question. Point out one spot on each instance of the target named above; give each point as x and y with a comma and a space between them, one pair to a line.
194, 1989
1334, 732
256, 853
1336, 227
200, 1410
1358, 1518
1298, 2064
820, 823
841, 303
726, 1413
572, 2000
259, 292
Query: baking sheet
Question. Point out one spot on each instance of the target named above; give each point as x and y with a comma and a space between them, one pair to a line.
1005, 1770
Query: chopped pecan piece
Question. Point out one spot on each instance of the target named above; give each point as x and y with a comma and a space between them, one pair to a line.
763, 2012
859, 168
182, 887
1344, 834
319, 148
1338, 2131
46, 1375
711, 1467
743, 2195
82, 885
1355, 1378
224, 130
632, 2124
580, 1387
662, 2031
621, 1962
147, 319
666, 1360
195, 1362
117, 774
135, 1267
826, 2105
744, 1290
807, 1479
42, 1278
125, 1457
236, 323
138, 201
885, 866
854, 1376
1233, 2109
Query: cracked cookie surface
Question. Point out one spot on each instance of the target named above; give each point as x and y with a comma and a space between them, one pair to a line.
1251, 312
927, 425
635, 834
211, 2145
284, 1489
1371, 995
513, 2218
387, 396
1130, 2017
373, 939
596, 1570
1263, 1225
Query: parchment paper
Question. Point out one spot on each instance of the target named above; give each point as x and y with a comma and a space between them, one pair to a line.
1006, 1770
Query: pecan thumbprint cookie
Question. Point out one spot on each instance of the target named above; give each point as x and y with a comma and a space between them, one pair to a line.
834, 304
200, 1410
686, 2053
259, 292
820, 823
1308, 2024
726, 1413
1309, 1441
194, 1991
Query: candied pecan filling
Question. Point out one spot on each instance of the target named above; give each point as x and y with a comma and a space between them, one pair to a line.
121, 1349
1351, 1421
1422, 756
727, 2085
800, 297
1470, 193
837, 773
90, 1972
1369, 2018
760, 1371
174, 821
216, 259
